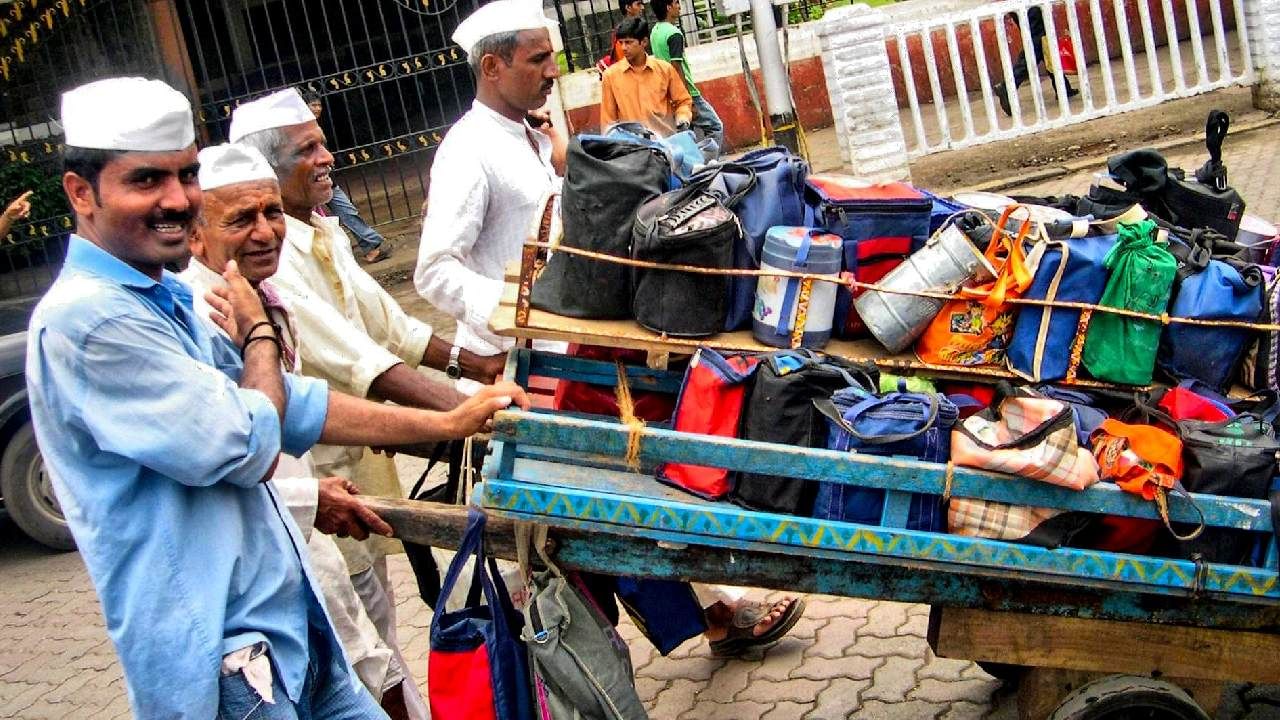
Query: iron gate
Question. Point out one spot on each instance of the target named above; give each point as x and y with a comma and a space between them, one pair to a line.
47, 47
390, 79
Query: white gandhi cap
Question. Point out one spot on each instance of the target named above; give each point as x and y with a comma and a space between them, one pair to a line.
129, 114
279, 109
228, 164
501, 16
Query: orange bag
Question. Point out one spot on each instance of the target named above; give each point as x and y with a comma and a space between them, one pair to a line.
975, 328
1144, 460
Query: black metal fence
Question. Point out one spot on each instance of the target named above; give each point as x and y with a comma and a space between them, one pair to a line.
390, 79
587, 25
46, 48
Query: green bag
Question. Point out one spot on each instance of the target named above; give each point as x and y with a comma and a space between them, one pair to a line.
1123, 349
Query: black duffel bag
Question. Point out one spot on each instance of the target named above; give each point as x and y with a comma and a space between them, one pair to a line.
692, 227
1236, 457
606, 181
780, 409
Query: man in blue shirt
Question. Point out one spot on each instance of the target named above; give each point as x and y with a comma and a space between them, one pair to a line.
159, 437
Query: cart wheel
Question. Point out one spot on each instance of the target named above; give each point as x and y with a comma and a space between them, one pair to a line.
1128, 697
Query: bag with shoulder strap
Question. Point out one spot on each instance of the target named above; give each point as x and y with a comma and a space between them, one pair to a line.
903, 423
580, 666
1210, 286
692, 227
776, 197
606, 180
975, 328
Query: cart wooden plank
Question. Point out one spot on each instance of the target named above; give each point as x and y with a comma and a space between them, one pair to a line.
630, 335
1104, 645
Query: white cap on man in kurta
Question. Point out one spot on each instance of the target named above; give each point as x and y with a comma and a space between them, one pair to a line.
232, 163
279, 109
501, 16
127, 114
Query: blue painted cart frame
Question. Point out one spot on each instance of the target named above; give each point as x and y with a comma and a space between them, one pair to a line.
568, 471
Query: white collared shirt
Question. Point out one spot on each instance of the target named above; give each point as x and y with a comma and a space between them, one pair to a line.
486, 183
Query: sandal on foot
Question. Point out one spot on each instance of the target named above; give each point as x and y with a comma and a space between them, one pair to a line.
741, 636
375, 255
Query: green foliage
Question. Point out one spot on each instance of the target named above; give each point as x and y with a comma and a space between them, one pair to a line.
43, 178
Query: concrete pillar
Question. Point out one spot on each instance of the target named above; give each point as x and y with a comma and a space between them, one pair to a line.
1262, 19
863, 103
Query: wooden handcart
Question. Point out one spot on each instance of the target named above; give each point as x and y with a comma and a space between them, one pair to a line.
1084, 633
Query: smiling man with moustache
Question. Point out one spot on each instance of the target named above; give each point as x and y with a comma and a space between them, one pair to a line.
357, 337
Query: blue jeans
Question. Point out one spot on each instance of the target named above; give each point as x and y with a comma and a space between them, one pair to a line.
329, 693
706, 120
366, 237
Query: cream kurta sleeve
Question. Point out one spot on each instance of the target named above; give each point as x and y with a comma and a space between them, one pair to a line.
331, 347
384, 320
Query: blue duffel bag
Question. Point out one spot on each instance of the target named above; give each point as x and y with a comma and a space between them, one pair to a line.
776, 199
914, 425
1209, 289
1070, 270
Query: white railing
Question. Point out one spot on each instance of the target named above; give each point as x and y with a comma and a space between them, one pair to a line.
1124, 62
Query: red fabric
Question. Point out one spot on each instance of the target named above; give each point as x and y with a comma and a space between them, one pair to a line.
461, 686
575, 396
1183, 404
709, 406
984, 394
844, 187
876, 257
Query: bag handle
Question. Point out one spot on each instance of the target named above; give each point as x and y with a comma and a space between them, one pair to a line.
1215, 131
1162, 505
828, 409
703, 179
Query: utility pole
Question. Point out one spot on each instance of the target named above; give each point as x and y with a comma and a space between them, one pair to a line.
777, 90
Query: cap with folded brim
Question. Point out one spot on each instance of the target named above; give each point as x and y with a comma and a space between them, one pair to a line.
128, 114
501, 16
232, 163
279, 109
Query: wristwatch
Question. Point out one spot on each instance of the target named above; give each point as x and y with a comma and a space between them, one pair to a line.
454, 368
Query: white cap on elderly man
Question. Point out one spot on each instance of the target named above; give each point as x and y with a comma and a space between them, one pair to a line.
231, 163
279, 109
129, 114
501, 16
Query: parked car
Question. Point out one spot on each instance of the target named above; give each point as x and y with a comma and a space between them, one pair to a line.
25, 487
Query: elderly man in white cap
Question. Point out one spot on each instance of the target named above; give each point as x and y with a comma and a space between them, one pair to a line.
357, 337
159, 437
243, 220
491, 171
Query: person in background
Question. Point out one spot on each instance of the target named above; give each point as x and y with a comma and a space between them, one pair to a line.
243, 220
370, 243
16, 212
644, 88
666, 41
630, 9
1040, 44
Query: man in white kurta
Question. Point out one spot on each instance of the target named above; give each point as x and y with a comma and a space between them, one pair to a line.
487, 180
237, 181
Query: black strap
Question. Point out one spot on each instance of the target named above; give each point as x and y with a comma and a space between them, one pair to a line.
1215, 131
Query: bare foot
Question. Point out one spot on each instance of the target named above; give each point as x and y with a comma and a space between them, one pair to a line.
720, 618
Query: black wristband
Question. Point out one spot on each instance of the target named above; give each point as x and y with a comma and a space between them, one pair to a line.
257, 325
272, 338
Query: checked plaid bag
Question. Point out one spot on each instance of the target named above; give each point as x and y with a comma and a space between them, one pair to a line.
1023, 434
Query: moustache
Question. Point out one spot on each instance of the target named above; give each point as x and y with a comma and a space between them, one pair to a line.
173, 216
